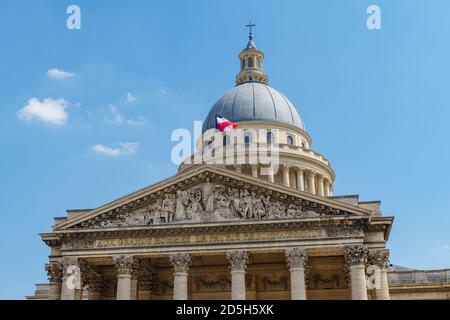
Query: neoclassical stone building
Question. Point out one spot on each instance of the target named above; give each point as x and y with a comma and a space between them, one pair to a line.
246, 229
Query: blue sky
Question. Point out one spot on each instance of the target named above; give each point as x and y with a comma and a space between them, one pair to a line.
376, 103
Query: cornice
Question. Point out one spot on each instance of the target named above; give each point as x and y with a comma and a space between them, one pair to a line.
329, 223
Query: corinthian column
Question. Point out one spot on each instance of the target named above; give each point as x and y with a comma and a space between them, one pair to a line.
126, 267
321, 191
71, 281
286, 181
380, 258
300, 179
356, 258
296, 259
312, 183
181, 263
55, 275
238, 262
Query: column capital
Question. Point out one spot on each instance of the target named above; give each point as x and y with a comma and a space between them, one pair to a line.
286, 167
125, 264
55, 271
238, 260
356, 255
311, 173
379, 257
296, 257
181, 261
69, 261
320, 177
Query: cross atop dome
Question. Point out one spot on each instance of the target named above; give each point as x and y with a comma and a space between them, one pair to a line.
251, 43
251, 61
250, 26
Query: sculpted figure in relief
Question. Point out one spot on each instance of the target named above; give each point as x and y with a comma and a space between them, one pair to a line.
208, 202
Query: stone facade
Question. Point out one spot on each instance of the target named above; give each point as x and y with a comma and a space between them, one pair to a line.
230, 231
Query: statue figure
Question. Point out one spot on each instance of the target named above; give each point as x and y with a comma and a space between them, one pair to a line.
168, 208
182, 202
248, 204
208, 196
154, 211
235, 202
259, 210
195, 208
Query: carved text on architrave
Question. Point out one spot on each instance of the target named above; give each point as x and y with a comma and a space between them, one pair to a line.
209, 238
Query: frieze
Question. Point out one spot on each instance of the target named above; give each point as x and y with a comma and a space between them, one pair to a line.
209, 201
206, 238
275, 283
219, 283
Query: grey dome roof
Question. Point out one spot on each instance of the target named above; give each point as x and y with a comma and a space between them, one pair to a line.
254, 101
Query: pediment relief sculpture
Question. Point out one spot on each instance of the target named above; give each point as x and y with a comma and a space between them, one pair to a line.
213, 202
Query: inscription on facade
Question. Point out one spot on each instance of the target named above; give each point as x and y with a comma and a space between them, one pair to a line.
208, 238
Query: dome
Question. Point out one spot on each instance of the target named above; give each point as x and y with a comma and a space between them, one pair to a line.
254, 101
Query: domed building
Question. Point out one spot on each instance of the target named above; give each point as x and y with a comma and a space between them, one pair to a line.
265, 116
251, 215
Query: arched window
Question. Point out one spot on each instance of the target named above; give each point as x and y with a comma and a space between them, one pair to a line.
269, 137
303, 144
290, 140
251, 62
258, 64
226, 140
247, 138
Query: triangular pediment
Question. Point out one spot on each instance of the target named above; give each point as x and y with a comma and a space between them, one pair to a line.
209, 194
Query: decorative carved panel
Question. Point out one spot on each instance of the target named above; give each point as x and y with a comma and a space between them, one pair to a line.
210, 202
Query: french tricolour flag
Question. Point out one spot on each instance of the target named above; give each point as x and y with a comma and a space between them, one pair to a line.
224, 124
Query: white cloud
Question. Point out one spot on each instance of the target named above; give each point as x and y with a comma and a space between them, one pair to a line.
163, 91
130, 98
121, 149
49, 111
119, 119
60, 74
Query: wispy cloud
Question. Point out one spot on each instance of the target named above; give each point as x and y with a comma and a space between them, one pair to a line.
60, 74
115, 117
122, 148
130, 98
49, 111
164, 91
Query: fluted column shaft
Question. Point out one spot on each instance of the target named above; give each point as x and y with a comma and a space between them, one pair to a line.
326, 185
356, 257
321, 191
181, 263
238, 262
312, 182
126, 267
300, 179
380, 258
297, 258
286, 181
